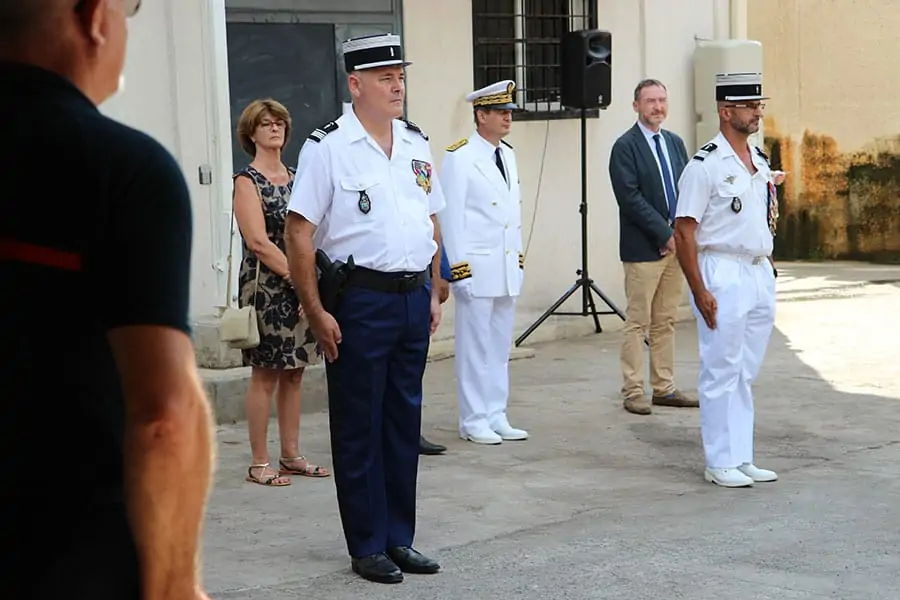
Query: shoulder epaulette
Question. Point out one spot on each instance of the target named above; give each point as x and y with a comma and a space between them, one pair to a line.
413, 127
457, 145
761, 153
704, 151
319, 134
505, 143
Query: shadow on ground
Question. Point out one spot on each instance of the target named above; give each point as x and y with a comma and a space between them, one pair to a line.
600, 503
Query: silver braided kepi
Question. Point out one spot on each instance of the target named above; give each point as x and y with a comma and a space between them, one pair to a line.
373, 51
732, 87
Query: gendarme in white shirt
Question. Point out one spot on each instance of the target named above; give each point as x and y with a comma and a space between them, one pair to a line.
363, 203
729, 203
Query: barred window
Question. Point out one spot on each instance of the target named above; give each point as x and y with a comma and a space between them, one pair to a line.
520, 40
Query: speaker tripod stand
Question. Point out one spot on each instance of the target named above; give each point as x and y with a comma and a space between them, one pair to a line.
584, 282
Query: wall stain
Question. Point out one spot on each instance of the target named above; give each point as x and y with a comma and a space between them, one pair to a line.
835, 205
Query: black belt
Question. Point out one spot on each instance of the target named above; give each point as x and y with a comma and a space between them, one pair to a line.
393, 283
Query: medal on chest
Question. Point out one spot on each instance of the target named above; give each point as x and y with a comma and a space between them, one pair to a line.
365, 205
736, 204
422, 171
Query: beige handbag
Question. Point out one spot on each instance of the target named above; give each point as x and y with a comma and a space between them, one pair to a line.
239, 327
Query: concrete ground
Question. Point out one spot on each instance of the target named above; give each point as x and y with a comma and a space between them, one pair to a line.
600, 503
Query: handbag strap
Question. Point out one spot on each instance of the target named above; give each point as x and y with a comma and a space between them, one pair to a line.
231, 242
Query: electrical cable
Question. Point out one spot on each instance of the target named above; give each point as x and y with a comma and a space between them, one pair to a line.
537, 194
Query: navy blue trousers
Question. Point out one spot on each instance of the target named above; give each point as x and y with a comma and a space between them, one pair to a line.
375, 412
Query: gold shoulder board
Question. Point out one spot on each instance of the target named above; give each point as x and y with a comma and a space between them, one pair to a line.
457, 145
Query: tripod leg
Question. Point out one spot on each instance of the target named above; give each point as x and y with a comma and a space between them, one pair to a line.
547, 314
608, 302
593, 307
614, 308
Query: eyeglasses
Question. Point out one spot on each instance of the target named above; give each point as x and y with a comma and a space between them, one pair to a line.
131, 6
760, 106
269, 124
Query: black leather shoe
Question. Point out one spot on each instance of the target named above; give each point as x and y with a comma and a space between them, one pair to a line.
426, 447
411, 561
377, 567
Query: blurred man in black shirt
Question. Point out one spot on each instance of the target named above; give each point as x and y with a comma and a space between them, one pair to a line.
105, 433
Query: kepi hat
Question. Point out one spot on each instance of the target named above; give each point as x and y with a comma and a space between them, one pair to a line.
497, 95
732, 87
373, 51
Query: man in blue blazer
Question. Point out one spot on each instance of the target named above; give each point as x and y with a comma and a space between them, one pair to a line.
443, 286
644, 167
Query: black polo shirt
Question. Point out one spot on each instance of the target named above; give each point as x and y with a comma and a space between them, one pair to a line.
95, 233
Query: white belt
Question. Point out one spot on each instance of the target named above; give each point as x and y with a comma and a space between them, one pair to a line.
745, 258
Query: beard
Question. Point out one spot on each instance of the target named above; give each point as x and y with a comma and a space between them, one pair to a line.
748, 128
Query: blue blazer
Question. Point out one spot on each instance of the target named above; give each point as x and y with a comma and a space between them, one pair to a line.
639, 190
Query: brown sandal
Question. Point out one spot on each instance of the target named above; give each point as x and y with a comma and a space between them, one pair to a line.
269, 481
307, 471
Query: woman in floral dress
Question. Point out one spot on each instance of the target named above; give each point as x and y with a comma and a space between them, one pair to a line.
286, 347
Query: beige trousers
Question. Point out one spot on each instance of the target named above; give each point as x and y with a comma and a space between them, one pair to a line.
653, 292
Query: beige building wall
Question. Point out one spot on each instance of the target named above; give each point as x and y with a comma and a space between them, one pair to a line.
834, 122
176, 89
651, 38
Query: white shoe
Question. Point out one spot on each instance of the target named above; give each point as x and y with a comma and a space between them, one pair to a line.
487, 437
757, 474
510, 433
728, 477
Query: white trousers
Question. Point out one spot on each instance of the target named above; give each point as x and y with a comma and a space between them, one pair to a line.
483, 329
732, 354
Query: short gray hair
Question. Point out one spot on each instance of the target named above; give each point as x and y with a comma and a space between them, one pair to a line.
645, 83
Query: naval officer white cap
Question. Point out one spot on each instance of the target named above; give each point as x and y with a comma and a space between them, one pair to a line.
497, 96
732, 87
373, 51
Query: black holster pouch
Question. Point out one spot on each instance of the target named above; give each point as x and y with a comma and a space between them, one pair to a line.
333, 277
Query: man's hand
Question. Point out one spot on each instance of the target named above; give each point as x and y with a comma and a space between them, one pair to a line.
327, 333
706, 304
435, 312
669, 248
778, 177
442, 286
463, 288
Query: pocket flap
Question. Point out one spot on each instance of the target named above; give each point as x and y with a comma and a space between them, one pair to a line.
358, 183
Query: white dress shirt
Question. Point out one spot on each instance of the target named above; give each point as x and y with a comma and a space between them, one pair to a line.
648, 135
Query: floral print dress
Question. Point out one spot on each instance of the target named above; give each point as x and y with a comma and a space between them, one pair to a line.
285, 339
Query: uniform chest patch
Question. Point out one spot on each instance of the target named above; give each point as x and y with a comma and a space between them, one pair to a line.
422, 171
365, 204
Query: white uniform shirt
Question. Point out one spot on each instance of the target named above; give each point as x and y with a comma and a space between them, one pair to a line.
482, 224
367, 205
710, 191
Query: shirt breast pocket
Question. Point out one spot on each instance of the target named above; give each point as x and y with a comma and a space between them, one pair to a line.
361, 197
730, 195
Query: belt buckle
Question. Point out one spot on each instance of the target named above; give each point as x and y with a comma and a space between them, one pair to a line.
757, 260
404, 282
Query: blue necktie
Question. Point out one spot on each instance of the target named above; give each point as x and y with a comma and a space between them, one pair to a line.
667, 177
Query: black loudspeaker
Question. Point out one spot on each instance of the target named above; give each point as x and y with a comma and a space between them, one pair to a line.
586, 69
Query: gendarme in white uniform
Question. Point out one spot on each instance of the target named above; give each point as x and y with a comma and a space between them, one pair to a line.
734, 243
363, 203
482, 232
